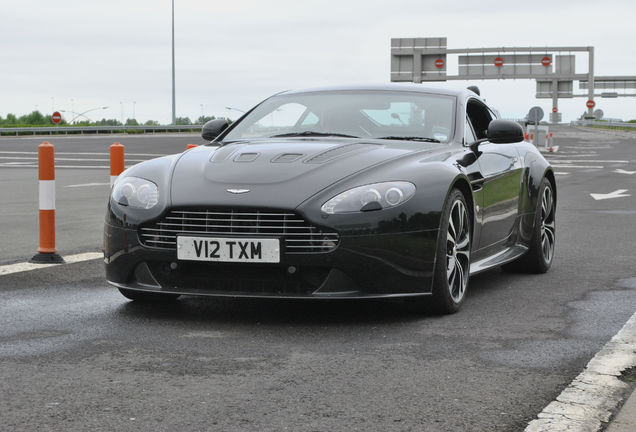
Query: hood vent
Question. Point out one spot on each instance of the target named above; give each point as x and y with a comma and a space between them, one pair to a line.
246, 157
287, 158
336, 152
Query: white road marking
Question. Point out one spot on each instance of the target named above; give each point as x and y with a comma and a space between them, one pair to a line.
87, 184
622, 171
620, 193
589, 400
26, 266
588, 147
588, 161
563, 153
576, 166
69, 159
81, 153
565, 156
561, 173
6, 165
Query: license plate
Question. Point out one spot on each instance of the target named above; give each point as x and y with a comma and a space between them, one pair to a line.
225, 249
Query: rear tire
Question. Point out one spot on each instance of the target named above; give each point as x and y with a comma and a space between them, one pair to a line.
452, 263
539, 257
149, 297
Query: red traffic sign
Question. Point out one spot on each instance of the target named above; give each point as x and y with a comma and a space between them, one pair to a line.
498, 62
546, 61
56, 117
554, 109
590, 104
439, 63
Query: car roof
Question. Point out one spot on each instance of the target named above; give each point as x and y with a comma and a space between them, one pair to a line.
389, 87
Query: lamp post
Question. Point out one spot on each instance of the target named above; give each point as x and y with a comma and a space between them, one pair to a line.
73, 113
82, 113
174, 115
234, 109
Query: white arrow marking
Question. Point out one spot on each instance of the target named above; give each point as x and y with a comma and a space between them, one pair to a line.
621, 171
578, 161
616, 194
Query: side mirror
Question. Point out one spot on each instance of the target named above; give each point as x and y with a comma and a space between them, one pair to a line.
504, 132
213, 128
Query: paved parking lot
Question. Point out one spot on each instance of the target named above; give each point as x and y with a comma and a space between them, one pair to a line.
75, 355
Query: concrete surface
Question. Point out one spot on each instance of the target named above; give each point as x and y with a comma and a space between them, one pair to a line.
76, 355
625, 421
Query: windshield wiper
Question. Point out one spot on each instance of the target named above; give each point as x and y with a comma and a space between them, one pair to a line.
411, 138
312, 133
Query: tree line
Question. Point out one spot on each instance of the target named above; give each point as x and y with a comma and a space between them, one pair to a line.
36, 118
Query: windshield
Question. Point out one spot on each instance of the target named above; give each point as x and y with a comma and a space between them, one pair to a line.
359, 114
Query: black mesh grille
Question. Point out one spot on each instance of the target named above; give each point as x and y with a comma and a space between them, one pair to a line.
297, 235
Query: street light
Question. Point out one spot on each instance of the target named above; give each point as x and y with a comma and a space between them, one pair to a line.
73, 113
82, 113
174, 116
235, 109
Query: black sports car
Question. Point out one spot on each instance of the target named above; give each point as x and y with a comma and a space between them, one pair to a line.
387, 191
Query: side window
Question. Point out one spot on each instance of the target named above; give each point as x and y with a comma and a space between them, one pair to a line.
479, 116
469, 136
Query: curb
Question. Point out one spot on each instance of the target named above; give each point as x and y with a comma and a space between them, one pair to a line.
587, 404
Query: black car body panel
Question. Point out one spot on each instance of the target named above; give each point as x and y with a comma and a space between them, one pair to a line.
382, 253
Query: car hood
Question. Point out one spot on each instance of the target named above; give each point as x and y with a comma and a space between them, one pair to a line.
275, 174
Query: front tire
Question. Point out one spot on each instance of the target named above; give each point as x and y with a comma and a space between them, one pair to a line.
452, 263
149, 297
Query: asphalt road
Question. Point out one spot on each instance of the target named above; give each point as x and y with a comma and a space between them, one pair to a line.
75, 355
82, 185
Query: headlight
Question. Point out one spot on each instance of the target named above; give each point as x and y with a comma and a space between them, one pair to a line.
370, 197
135, 192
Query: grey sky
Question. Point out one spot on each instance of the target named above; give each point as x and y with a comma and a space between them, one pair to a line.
102, 53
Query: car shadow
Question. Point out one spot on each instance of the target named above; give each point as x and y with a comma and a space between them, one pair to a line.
190, 309
491, 282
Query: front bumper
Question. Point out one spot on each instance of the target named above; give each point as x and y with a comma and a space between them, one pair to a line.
362, 266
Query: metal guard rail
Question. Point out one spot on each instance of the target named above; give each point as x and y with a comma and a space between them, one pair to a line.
50, 130
603, 123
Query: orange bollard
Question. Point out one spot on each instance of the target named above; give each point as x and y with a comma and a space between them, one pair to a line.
526, 136
532, 137
47, 253
116, 161
189, 146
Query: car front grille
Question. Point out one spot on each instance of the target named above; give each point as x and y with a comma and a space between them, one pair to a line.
296, 234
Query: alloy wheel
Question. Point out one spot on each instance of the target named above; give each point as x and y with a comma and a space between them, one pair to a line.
547, 224
458, 251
